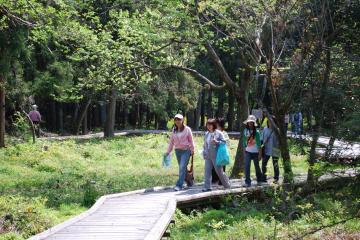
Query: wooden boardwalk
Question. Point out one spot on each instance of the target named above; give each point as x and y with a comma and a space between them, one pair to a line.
146, 214
143, 214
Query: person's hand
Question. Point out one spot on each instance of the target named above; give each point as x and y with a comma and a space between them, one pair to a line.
215, 141
166, 154
192, 153
260, 156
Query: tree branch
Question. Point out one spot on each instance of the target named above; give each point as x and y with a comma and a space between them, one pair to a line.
189, 70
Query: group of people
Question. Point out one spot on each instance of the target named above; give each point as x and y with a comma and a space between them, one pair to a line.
257, 146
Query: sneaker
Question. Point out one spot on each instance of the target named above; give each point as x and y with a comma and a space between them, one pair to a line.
259, 183
177, 188
246, 185
276, 181
206, 189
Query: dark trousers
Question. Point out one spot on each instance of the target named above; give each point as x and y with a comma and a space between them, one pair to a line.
275, 164
255, 157
215, 177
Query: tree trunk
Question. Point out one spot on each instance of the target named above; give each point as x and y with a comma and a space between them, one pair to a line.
243, 102
238, 167
82, 111
53, 115
191, 119
85, 123
125, 113
96, 113
284, 150
202, 120
198, 113
319, 117
110, 115
230, 114
239, 117
2, 111
61, 118
148, 118
209, 107
141, 115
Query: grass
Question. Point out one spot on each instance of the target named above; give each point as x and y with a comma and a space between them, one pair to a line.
275, 218
45, 183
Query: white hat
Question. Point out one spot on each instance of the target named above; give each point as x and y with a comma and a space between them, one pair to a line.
179, 116
34, 106
251, 118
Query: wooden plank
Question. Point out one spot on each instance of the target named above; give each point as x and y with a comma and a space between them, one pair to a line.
104, 229
160, 227
114, 224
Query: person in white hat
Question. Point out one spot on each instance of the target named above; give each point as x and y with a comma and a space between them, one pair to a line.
182, 140
252, 145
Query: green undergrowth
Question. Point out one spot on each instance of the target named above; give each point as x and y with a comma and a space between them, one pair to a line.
45, 183
277, 215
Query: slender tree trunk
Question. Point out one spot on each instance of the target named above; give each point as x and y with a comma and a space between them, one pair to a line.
202, 120
156, 122
198, 112
2, 111
319, 116
148, 118
53, 115
82, 111
61, 118
109, 130
85, 123
126, 116
230, 114
97, 115
141, 115
209, 109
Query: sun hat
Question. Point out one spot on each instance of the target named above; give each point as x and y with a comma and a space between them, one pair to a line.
251, 118
179, 116
34, 106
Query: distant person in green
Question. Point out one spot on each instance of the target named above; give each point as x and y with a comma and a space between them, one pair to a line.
220, 123
271, 150
212, 139
182, 140
252, 145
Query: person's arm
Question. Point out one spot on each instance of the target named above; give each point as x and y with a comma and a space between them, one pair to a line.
191, 140
219, 137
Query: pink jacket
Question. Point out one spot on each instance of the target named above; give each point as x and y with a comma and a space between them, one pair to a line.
184, 140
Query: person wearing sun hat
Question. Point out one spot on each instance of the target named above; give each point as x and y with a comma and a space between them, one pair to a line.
252, 145
182, 140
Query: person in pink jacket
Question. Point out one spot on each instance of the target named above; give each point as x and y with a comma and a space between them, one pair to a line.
182, 140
